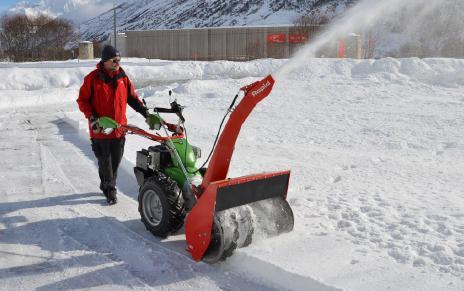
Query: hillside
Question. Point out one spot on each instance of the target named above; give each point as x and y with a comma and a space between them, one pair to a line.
147, 14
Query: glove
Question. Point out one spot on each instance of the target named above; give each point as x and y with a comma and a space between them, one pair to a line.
154, 121
94, 124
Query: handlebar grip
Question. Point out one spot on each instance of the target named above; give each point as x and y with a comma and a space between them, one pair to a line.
163, 110
175, 108
181, 116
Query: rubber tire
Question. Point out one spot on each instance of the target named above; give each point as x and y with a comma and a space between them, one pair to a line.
222, 243
223, 240
170, 197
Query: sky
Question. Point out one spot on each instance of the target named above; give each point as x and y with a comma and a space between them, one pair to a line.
4, 4
75, 10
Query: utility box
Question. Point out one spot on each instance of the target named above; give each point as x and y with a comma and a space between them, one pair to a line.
86, 50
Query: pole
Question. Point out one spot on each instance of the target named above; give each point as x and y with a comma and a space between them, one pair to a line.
114, 26
114, 20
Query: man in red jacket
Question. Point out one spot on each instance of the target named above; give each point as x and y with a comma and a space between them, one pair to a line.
106, 92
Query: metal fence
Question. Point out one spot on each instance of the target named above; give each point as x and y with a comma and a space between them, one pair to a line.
450, 49
223, 43
247, 43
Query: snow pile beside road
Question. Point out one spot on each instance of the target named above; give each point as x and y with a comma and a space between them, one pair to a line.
48, 83
436, 71
58, 75
59, 82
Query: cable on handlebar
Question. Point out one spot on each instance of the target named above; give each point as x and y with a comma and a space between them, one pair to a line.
215, 140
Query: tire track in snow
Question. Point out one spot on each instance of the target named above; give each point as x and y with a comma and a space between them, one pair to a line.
48, 233
54, 179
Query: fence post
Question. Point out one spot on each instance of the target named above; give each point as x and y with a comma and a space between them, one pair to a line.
341, 49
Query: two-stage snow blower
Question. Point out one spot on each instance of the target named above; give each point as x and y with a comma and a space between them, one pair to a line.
222, 213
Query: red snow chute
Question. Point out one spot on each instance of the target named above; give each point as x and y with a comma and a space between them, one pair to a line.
213, 228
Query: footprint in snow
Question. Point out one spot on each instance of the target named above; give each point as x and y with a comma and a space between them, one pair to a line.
400, 256
335, 179
418, 262
377, 160
345, 168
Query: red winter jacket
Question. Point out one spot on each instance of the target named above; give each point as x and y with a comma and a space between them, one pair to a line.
105, 94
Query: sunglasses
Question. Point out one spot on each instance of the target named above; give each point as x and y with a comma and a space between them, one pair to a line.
116, 61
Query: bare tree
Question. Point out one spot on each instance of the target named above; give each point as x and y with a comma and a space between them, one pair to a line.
308, 26
15, 37
309, 20
34, 39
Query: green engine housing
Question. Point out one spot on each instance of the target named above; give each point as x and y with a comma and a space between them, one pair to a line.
188, 155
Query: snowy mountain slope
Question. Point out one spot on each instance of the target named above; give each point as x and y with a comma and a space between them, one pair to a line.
435, 30
375, 148
145, 14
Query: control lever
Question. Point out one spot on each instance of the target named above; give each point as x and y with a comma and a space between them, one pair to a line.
177, 108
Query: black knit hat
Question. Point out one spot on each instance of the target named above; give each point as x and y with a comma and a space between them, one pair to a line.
109, 52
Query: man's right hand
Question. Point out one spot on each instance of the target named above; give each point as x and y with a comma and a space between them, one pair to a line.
94, 124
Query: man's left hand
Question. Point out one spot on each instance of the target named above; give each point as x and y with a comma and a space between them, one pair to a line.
154, 121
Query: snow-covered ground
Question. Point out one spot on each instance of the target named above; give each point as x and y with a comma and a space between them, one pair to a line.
376, 153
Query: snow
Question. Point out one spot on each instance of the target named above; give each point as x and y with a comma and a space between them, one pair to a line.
376, 153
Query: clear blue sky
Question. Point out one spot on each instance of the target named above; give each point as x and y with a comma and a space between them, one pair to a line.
4, 4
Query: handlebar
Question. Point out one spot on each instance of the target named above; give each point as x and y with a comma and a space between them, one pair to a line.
131, 129
175, 108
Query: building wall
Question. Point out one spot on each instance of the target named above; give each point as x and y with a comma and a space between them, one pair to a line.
224, 43
121, 43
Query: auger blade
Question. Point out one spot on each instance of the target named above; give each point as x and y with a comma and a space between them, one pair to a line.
230, 212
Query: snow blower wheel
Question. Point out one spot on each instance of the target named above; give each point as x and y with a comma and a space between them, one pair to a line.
161, 206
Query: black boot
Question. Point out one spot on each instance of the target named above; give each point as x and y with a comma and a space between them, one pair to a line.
105, 192
111, 198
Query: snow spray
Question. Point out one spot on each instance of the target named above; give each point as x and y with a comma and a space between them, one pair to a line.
373, 15
256, 219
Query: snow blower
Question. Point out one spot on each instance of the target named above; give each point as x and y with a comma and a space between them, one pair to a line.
223, 213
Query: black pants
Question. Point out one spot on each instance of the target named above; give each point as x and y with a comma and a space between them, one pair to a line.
109, 154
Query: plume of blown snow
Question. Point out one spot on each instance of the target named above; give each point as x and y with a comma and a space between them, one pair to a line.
385, 19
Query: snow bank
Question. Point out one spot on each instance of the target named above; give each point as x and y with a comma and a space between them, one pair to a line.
435, 71
29, 84
49, 75
39, 82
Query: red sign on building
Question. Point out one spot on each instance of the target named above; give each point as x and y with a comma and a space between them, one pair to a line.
277, 38
297, 38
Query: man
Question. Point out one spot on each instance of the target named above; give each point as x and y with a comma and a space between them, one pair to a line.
106, 92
